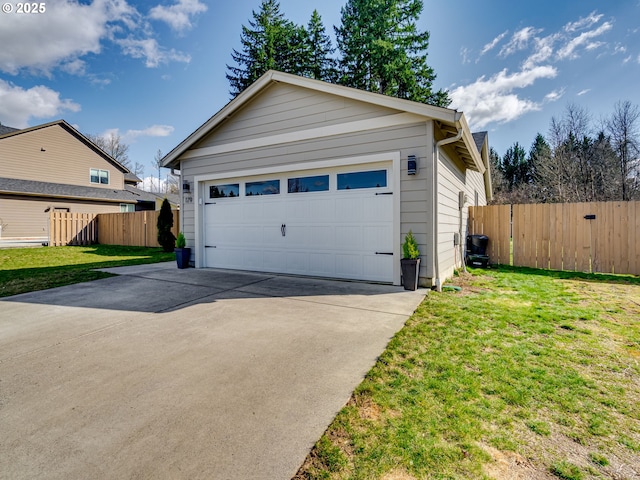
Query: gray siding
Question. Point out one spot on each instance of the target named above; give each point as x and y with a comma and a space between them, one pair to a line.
453, 178
65, 159
283, 109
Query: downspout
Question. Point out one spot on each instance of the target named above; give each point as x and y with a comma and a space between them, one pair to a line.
436, 159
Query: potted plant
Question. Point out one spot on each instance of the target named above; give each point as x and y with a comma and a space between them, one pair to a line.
183, 254
410, 262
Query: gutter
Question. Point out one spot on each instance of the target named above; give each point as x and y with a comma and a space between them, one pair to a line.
436, 159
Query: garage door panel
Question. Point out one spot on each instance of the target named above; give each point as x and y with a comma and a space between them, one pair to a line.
377, 238
349, 266
348, 238
348, 210
377, 267
321, 264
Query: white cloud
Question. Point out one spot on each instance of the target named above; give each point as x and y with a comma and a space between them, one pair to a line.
583, 22
583, 92
555, 95
178, 16
152, 131
542, 51
130, 136
151, 52
464, 53
71, 30
493, 100
519, 41
491, 45
18, 105
584, 39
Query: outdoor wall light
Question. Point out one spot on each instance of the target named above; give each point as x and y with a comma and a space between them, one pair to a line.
186, 187
412, 165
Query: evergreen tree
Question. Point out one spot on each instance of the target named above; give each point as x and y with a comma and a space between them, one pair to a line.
383, 51
166, 238
320, 64
271, 42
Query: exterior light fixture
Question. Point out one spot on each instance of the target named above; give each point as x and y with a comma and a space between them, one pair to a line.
412, 165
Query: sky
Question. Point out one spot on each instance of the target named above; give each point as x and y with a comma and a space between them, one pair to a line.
153, 71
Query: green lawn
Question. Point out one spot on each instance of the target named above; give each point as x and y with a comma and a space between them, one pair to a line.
522, 374
28, 269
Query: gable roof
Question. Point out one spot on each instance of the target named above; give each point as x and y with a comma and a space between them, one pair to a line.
4, 129
451, 121
65, 126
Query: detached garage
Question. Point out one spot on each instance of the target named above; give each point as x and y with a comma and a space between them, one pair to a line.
304, 177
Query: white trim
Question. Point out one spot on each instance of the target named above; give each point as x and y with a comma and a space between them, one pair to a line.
310, 134
393, 157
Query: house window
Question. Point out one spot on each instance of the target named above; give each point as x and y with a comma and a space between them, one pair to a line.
268, 187
99, 176
127, 207
230, 190
319, 183
368, 179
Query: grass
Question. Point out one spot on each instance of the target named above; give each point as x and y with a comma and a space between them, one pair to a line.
523, 374
28, 269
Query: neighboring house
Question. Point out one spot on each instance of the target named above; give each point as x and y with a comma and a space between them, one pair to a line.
153, 200
305, 177
54, 167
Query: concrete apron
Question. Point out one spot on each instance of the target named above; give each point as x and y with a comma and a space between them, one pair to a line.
167, 373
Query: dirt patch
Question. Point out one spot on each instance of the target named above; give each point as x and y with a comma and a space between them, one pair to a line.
512, 466
398, 475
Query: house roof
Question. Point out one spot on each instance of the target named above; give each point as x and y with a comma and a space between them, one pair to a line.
14, 186
63, 124
145, 196
450, 121
4, 129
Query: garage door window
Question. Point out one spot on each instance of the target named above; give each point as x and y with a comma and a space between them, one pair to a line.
368, 179
268, 187
318, 183
229, 190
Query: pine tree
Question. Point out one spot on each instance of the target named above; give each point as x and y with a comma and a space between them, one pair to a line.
321, 65
271, 42
383, 51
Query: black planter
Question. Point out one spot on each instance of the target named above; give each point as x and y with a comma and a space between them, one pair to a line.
410, 268
182, 257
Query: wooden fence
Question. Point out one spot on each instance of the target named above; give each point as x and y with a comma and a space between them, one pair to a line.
72, 228
130, 229
588, 237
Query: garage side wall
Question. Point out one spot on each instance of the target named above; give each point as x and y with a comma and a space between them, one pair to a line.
452, 216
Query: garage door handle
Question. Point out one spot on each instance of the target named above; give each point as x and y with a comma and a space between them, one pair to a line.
283, 229
384, 253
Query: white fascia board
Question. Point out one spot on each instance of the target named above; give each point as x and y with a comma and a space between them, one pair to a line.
309, 134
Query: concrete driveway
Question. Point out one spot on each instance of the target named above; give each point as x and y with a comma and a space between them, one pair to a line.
183, 374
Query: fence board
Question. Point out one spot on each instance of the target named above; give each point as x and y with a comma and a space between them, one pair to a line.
559, 237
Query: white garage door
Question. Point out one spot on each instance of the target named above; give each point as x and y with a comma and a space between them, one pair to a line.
328, 223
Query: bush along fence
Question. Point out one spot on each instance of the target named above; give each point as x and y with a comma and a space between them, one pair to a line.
130, 229
588, 237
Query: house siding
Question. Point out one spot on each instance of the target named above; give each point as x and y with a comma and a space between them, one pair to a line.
285, 109
65, 158
452, 179
25, 216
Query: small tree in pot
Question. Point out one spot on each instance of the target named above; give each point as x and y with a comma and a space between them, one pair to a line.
183, 254
410, 262
166, 239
